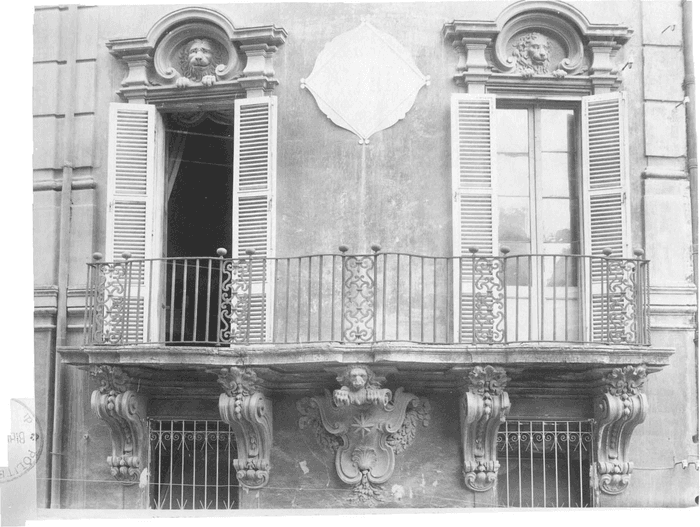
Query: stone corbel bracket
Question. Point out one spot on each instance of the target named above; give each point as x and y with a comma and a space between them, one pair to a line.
618, 410
365, 427
155, 73
247, 410
124, 411
484, 407
488, 61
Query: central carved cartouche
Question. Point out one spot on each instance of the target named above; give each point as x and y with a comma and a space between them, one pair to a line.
365, 427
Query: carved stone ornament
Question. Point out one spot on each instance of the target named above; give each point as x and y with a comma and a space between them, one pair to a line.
197, 50
365, 81
124, 411
365, 427
249, 413
618, 411
542, 41
484, 407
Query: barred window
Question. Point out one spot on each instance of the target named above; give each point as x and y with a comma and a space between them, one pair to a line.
191, 465
545, 464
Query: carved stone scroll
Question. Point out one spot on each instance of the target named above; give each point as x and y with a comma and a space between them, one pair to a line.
484, 407
124, 411
365, 427
249, 413
618, 411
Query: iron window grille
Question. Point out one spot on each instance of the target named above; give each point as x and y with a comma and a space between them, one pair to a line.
191, 465
545, 464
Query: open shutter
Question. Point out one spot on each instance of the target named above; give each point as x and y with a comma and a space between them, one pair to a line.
130, 220
605, 181
474, 212
255, 145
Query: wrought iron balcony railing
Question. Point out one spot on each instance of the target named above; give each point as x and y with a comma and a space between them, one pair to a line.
368, 298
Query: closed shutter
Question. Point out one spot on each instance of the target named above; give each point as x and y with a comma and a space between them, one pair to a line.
255, 141
606, 209
130, 219
474, 212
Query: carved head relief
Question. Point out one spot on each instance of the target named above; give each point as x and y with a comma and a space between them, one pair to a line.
199, 59
534, 53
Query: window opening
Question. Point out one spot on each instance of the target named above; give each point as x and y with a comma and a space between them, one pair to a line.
199, 182
539, 219
545, 464
191, 465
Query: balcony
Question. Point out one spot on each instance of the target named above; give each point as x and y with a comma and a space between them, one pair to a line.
371, 298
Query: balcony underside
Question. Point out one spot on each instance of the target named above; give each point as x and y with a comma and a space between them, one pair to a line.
300, 366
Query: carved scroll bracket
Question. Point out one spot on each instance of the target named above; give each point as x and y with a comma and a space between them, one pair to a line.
618, 410
484, 407
365, 427
124, 411
245, 408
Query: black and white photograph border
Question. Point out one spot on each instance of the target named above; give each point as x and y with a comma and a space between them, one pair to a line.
423, 352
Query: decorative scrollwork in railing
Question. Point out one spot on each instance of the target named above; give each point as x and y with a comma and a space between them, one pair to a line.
235, 298
621, 305
489, 300
358, 298
109, 289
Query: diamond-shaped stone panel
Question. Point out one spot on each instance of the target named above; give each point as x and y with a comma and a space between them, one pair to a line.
365, 81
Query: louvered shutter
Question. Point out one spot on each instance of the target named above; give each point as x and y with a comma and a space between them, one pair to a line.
130, 219
606, 208
474, 212
255, 140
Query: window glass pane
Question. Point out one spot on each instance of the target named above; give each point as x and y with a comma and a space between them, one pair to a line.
556, 222
513, 219
556, 174
556, 127
511, 130
513, 175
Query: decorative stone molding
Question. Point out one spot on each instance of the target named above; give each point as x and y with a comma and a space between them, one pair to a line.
483, 408
190, 51
365, 427
248, 412
124, 412
536, 46
365, 81
618, 410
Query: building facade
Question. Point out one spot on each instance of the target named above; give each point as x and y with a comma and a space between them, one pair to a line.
366, 255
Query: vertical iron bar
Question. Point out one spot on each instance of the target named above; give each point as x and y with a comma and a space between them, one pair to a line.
473, 295
263, 309
543, 296
504, 260
151, 303
228, 463
506, 443
219, 336
170, 483
182, 468
517, 298
449, 294
568, 462
320, 297
333, 257
422, 298
298, 299
160, 460
556, 466
184, 300
308, 301
206, 325
435, 295
398, 288
384, 259
286, 302
554, 296
530, 305
410, 296
275, 318
520, 470
566, 299
216, 502
580, 464
460, 299
374, 297
544, 468
88, 308
194, 463
127, 302
196, 298
206, 461
532, 468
